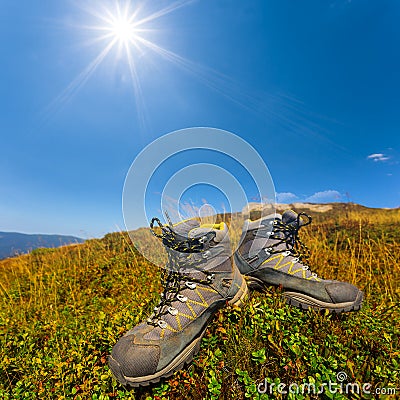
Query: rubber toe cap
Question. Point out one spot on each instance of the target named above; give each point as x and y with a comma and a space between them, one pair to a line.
133, 360
342, 292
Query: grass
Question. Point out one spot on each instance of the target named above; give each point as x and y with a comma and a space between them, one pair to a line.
63, 309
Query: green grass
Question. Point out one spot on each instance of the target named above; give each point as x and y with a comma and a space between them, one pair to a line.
63, 309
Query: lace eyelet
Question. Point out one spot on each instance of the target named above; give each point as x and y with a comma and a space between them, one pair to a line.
286, 253
172, 310
181, 298
211, 277
206, 254
203, 239
191, 285
162, 324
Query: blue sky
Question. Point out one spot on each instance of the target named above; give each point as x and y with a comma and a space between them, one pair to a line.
313, 86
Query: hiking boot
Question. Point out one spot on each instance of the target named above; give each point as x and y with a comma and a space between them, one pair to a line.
271, 253
198, 280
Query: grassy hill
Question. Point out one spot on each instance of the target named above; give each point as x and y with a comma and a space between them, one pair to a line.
63, 309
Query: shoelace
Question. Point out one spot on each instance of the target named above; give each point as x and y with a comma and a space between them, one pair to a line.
290, 232
174, 281
291, 236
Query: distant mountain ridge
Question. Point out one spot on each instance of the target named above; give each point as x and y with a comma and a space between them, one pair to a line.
13, 243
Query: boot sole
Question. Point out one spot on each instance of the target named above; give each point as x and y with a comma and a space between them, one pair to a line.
305, 302
185, 357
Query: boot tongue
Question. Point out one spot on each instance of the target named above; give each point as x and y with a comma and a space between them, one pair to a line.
184, 227
220, 231
289, 217
182, 231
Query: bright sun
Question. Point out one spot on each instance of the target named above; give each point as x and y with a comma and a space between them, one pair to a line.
123, 30
122, 26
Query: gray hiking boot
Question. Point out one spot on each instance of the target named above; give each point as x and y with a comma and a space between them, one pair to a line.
199, 279
270, 253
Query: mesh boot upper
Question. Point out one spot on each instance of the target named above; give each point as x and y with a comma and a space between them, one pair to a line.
273, 242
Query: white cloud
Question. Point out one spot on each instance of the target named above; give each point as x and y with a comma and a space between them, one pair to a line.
378, 157
285, 197
326, 196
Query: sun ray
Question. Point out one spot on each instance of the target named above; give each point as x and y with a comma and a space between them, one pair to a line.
173, 7
100, 15
288, 114
139, 99
79, 81
120, 27
93, 41
210, 77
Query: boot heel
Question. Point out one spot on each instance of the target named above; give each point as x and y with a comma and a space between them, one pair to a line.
240, 296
